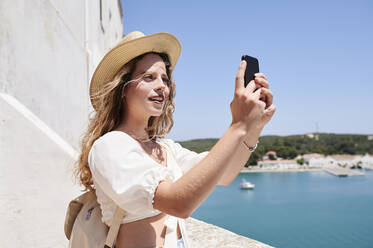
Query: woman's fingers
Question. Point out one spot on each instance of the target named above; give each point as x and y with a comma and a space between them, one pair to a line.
240, 76
260, 79
251, 86
271, 108
257, 94
262, 82
268, 113
267, 95
259, 74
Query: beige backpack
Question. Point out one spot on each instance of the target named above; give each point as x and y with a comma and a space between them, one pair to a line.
84, 227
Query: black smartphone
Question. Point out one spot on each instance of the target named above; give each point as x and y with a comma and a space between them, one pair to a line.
252, 67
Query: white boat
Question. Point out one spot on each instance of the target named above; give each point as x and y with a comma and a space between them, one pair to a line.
246, 185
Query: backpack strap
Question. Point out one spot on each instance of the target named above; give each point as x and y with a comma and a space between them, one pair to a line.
114, 228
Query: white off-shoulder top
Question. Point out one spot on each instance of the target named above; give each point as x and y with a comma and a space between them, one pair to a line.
125, 175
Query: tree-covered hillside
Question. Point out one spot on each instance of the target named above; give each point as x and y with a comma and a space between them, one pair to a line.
288, 147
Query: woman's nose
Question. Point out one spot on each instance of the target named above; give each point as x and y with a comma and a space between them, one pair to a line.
160, 83
161, 89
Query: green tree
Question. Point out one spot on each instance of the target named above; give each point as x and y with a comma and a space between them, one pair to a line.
271, 157
300, 161
286, 152
253, 160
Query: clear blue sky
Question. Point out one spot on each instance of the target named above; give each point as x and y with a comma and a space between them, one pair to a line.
317, 55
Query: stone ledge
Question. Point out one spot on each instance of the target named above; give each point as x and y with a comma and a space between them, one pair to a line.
204, 235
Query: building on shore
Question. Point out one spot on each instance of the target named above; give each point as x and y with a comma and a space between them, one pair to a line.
316, 160
366, 160
312, 136
277, 164
344, 160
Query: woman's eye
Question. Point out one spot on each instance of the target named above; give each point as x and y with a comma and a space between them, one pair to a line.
166, 80
148, 77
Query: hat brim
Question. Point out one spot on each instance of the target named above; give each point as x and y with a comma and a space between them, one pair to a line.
125, 52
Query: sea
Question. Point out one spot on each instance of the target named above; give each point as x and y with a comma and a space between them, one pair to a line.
296, 209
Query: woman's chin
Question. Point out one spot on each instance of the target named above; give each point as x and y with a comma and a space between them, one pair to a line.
156, 111
156, 114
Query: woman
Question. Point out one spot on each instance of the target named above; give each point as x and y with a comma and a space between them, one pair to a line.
128, 162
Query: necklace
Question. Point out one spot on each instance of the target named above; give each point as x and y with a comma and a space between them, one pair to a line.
141, 140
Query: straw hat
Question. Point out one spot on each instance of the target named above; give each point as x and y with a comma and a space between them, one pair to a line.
132, 45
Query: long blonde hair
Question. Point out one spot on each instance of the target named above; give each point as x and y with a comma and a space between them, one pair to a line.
110, 108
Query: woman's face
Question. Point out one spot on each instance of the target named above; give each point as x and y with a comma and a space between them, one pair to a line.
147, 96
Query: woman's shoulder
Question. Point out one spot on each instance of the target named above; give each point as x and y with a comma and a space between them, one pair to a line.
113, 145
170, 144
114, 139
167, 142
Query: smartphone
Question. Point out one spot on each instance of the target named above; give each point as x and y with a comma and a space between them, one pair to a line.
252, 67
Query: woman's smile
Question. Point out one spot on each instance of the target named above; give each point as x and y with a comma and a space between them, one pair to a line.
157, 99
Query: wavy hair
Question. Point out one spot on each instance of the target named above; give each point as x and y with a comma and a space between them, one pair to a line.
110, 109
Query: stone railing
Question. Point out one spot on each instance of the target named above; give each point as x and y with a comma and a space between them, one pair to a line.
204, 235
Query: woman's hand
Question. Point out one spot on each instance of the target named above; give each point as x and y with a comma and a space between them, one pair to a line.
252, 107
266, 96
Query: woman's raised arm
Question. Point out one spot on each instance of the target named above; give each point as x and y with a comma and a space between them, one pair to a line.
242, 154
249, 115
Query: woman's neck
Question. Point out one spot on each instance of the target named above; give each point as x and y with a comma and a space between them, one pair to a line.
134, 127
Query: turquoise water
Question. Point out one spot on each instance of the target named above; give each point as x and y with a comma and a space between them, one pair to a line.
296, 209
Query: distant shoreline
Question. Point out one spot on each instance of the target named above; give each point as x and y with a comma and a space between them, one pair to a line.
245, 170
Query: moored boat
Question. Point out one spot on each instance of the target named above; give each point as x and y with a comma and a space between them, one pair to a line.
246, 185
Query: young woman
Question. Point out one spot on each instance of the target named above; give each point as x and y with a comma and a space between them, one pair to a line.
128, 161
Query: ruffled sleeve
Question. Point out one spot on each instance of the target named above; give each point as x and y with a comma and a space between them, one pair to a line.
186, 159
125, 172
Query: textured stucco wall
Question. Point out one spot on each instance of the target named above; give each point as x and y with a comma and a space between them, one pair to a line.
36, 182
48, 50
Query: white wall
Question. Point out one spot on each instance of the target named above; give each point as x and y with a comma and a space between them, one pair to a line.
48, 51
